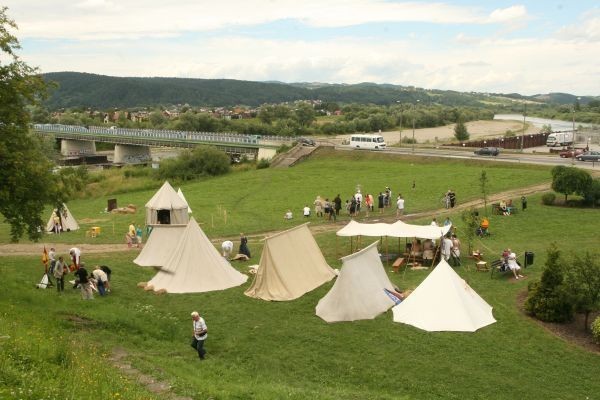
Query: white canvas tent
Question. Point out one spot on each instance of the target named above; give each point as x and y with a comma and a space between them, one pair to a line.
291, 264
161, 242
397, 229
180, 194
444, 302
67, 221
166, 207
358, 292
195, 266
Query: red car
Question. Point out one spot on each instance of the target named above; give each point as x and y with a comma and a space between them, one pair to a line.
571, 153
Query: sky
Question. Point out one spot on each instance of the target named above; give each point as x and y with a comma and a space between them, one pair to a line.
526, 47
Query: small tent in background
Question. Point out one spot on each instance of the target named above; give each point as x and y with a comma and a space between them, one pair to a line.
160, 245
291, 264
166, 207
66, 220
180, 194
359, 290
195, 266
444, 302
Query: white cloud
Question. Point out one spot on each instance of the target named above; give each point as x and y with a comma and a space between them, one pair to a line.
107, 19
588, 28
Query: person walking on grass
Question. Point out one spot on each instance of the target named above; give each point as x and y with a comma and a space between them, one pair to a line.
200, 334
399, 206
59, 272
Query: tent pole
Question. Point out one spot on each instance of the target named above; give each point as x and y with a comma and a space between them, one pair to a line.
387, 251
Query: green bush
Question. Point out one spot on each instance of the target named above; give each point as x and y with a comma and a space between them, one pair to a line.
263, 163
548, 299
548, 199
202, 161
596, 330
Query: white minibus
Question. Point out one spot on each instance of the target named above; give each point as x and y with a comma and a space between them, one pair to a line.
367, 141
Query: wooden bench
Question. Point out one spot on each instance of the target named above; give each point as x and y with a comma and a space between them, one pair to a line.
496, 267
398, 263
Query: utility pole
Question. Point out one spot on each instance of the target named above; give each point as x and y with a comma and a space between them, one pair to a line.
413, 136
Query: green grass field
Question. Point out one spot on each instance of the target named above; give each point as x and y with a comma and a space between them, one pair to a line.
58, 346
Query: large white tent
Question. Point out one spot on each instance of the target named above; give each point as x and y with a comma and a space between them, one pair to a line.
67, 220
159, 246
180, 194
358, 292
196, 266
291, 264
397, 229
166, 207
444, 302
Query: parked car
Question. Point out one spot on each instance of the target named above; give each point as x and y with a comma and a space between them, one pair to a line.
589, 156
571, 153
488, 151
306, 141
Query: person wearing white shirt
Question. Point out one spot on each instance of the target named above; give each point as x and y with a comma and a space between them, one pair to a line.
399, 206
200, 334
306, 211
227, 248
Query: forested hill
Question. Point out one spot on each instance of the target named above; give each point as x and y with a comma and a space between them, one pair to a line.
81, 90
77, 90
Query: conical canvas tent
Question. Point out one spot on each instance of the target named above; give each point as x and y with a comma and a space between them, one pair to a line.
358, 292
444, 302
67, 221
291, 264
166, 207
180, 194
160, 245
196, 266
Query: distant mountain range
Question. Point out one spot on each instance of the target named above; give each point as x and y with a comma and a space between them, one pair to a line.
81, 90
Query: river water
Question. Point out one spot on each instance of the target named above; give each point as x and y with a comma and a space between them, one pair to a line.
556, 124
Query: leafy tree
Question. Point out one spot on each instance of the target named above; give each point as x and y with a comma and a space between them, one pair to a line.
548, 299
483, 182
546, 129
592, 194
583, 280
569, 180
25, 171
305, 114
471, 220
460, 131
201, 161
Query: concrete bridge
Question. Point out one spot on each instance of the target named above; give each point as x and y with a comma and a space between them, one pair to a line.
133, 145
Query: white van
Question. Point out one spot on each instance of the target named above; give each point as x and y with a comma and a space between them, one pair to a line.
367, 141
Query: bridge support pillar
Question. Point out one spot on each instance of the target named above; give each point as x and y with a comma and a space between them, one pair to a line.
266, 153
130, 154
77, 147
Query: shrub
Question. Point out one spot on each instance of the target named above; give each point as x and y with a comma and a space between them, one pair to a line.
202, 161
548, 199
548, 299
596, 330
263, 163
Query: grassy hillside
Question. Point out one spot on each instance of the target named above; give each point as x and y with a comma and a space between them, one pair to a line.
255, 200
60, 346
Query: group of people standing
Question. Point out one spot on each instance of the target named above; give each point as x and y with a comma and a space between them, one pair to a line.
449, 199
59, 269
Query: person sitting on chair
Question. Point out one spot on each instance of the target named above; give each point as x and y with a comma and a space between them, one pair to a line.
513, 264
504, 208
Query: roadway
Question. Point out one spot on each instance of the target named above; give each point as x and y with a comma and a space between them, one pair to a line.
527, 157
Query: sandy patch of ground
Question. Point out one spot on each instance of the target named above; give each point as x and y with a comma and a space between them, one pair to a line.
477, 129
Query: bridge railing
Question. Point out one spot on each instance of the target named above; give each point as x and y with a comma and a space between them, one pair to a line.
161, 134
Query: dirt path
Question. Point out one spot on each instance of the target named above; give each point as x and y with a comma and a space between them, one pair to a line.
24, 249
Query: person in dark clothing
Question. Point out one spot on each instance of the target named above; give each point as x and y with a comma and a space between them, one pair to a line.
337, 204
523, 203
84, 283
452, 198
380, 202
244, 245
